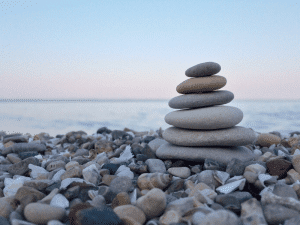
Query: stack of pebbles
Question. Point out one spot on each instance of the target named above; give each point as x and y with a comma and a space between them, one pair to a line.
204, 128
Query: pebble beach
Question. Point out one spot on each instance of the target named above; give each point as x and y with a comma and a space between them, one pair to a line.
114, 177
202, 170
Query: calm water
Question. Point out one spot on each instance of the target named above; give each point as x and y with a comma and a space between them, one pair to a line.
61, 116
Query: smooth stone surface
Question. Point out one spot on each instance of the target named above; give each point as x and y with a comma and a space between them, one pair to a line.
201, 84
208, 118
203, 69
235, 136
199, 154
42, 213
182, 172
201, 100
156, 165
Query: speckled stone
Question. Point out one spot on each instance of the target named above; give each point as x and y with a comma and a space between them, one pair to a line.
208, 118
201, 100
235, 136
201, 84
199, 154
203, 69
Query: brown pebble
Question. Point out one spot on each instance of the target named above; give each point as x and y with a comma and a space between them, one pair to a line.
121, 199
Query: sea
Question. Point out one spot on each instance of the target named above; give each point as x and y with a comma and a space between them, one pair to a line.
60, 116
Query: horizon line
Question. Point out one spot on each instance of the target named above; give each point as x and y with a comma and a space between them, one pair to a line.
127, 99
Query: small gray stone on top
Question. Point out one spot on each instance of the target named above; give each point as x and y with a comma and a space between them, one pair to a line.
203, 69
201, 100
156, 165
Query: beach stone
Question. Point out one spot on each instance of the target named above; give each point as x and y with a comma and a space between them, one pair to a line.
103, 129
147, 139
277, 214
208, 118
203, 69
235, 167
252, 212
72, 173
130, 214
59, 201
22, 167
234, 136
201, 84
55, 165
24, 155
155, 165
24, 147
5, 208
224, 217
121, 199
229, 202
13, 158
106, 193
210, 164
278, 167
111, 167
4, 221
199, 154
91, 174
72, 192
296, 162
96, 216
16, 139
27, 195
39, 185
284, 190
107, 179
154, 145
120, 184
191, 101
71, 164
176, 185
293, 221
153, 203
43, 213
266, 140
182, 172
54, 222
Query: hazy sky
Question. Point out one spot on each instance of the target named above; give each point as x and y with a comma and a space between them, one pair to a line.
140, 49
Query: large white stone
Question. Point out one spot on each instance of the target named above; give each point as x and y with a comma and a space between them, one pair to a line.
208, 118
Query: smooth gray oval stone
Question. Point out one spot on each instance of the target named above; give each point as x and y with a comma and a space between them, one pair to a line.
199, 154
234, 136
208, 118
201, 100
203, 69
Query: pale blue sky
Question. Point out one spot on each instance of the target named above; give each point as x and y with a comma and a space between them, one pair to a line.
140, 49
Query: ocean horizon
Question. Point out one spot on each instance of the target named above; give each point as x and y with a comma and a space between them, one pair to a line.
55, 116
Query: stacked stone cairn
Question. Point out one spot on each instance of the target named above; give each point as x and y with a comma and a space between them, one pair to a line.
204, 128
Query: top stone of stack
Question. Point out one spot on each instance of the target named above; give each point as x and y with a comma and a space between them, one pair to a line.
203, 70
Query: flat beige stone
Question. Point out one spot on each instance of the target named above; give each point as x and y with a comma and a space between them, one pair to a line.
201, 84
199, 154
201, 100
207, 118
234, 136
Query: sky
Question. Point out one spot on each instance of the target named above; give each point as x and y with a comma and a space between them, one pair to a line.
79, 49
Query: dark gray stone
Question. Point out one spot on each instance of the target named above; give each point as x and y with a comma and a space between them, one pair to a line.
277, 214
24, 147
111, 167
22, 167
120, 184
103, 129
203, 69
235, 167
24, 155
210, 164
